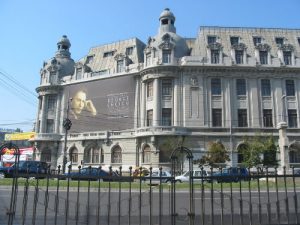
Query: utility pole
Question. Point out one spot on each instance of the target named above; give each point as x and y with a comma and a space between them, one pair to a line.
67, 125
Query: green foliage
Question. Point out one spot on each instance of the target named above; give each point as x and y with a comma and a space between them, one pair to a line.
216, 154
256, 147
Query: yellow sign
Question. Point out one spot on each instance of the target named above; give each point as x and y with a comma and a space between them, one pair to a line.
19, 136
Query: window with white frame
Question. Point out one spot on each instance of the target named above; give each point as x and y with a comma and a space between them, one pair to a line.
292, 118
239, 56
217, 117
116, 155
50, 126
263, 57
166, 87
120, 66
150, 89
166, 117
166, 56
287, 57
215, 56
268, 118
265, 87
216, 86
129, 51
51, 102
148, 59
150, 118
242, 118
91, 155
78, 73
74, 155
52, 78
240, 87
290, 88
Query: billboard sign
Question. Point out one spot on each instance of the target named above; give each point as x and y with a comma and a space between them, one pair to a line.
105, 104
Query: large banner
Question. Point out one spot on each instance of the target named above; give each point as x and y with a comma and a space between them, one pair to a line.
106, 104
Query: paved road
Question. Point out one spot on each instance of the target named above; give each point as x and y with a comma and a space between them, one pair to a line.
208, 207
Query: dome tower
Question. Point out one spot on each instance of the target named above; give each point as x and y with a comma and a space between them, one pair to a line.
167, 20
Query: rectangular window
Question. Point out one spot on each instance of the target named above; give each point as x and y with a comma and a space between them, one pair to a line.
89, 59
148, 59
129, 51
216, 86
166, 117
268, 118
108, 54
50, 126
166, 87
263, 57
234, 40
217, 117
52, 78
298, 40
287, 57
120, 66
150, 89
292, 118
265, 87
239, 56
279, 41
290, 87
51, 102
240, 87
166, 56
211, 39
150, 118
256, 40
78, 73
242, 118
215, 56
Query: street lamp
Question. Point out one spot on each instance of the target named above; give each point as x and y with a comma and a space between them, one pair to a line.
67, 124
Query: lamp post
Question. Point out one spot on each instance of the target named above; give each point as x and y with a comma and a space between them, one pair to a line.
67, 125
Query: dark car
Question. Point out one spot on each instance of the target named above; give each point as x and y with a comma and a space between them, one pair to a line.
25, 168
232, 174
91, 174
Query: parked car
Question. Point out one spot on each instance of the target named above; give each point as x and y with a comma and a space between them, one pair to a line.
25, 168
232, 174
91, 174
198, 175
156, 177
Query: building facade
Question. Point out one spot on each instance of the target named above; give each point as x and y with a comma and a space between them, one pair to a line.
129, 102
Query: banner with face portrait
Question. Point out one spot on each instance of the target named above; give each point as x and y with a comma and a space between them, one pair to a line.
104, 104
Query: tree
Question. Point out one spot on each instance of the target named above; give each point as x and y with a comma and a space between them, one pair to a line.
255, 148
216, 154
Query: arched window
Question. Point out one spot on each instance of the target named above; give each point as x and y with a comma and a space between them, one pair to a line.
74, 155
91, 155
46, 155
242, 148
147, 154
116, 155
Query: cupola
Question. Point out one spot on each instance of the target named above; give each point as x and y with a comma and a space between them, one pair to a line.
167, 20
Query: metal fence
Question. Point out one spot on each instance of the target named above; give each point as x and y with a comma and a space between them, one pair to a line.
258, 197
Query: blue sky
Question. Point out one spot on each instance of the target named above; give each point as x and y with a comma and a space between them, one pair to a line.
30, 30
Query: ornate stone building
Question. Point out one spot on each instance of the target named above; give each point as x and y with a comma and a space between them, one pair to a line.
129, 102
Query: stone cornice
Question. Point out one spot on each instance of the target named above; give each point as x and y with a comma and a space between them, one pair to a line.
48, 88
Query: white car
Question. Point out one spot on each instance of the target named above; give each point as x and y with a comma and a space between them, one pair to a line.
155, 177
197, 174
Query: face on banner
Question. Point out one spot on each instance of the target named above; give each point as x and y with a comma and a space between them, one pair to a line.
106, 104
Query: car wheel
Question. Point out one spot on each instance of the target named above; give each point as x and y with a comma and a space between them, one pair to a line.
2, 175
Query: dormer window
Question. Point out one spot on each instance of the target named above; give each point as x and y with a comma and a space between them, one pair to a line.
89, 59
287, 57
215, 56
52, 78
78, 73
239, 56
263, 57
166, 56
148, 59
256, 40
120, 66
279, 41
129, 51
211, 39
108, 54
234, 40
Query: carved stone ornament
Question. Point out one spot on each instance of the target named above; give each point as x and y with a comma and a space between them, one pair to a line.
150, 39
78, 65
287, 47
239, 46
119, 56
194, 81
53, 61
166, 42
263, 47
52, 68
148, 49
215, 46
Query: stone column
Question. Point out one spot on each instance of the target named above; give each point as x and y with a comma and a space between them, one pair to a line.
143, 105
176, 102
156, 103
43, 117
283, 147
